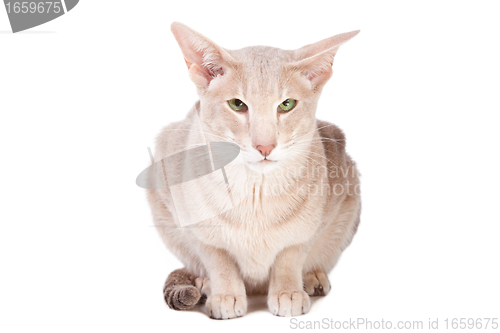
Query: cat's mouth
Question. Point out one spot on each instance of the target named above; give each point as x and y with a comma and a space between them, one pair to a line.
263, 161
263, 165
266, 161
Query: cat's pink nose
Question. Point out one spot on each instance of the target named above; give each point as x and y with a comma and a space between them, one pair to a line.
265, 150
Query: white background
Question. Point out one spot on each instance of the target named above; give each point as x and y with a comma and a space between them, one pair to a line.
81, 97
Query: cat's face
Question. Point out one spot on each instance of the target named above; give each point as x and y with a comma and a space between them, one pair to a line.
262, 105
262, 98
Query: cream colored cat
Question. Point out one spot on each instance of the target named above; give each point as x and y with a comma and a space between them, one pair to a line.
297, 203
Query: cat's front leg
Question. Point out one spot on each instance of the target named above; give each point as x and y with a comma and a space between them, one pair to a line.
227, 297
286, 295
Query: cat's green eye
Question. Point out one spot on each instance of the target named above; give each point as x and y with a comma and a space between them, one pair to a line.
287, 105
237, 105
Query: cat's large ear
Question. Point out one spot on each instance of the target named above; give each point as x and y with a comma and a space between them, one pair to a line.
204, 59
315, 60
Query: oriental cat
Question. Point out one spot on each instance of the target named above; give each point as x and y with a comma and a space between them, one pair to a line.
295, 199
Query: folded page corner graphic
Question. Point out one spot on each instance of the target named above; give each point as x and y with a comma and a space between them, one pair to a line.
70, 4
25, 15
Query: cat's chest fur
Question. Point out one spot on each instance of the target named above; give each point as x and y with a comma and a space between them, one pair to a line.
259, 228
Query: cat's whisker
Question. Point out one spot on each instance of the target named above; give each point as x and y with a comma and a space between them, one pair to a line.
316, 129
190, 130
305, 152
184, 149
340, 142
310, 159
329, 160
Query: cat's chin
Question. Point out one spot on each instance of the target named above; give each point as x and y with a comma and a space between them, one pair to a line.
263, 166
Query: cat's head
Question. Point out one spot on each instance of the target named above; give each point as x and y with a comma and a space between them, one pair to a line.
262, 98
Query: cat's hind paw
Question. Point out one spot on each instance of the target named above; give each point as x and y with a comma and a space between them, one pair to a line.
289, 303
316, 283
226, 306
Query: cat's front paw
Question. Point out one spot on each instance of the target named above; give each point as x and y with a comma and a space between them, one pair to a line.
226, 306
288, 303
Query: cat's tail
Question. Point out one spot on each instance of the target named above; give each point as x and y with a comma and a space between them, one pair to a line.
180, 291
